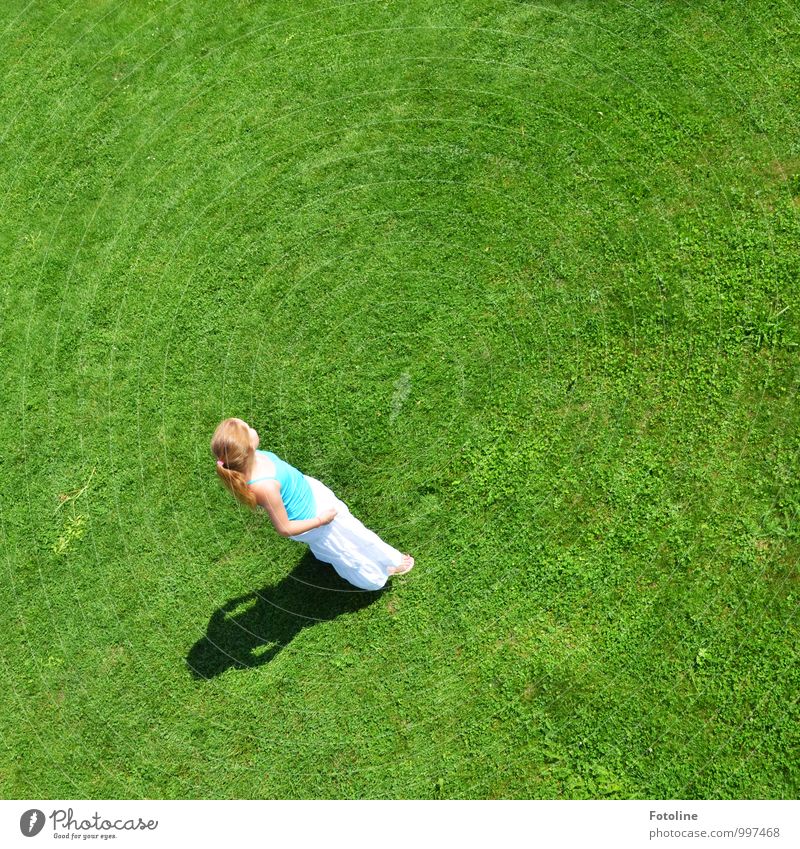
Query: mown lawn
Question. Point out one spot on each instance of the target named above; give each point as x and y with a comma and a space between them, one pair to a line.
520, 282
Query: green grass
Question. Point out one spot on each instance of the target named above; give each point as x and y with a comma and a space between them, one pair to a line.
518, 281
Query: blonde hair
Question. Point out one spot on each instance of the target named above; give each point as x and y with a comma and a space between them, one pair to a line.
231, 444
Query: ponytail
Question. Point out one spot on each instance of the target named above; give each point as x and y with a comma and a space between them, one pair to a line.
234, 482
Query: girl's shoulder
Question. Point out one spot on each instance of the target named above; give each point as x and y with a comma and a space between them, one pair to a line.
265, 468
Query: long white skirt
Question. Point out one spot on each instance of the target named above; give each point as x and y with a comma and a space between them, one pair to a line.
357, 554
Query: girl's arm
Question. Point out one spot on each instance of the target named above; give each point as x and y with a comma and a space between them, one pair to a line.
268, 496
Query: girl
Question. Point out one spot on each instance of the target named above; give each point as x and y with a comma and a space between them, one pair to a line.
303, 509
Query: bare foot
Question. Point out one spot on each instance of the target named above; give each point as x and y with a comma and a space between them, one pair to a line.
406, 565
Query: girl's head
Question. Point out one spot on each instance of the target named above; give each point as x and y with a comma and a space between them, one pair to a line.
234, 444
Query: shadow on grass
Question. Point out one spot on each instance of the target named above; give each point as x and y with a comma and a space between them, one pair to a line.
250, 630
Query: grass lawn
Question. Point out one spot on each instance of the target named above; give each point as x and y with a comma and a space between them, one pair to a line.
519, 281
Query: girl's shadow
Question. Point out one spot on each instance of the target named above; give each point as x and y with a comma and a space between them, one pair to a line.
250, 630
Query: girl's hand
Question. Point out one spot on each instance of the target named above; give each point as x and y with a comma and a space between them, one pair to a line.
327, 516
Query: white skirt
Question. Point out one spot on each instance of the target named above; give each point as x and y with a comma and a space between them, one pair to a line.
357, 554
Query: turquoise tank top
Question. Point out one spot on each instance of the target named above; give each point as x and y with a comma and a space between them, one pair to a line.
295, 492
